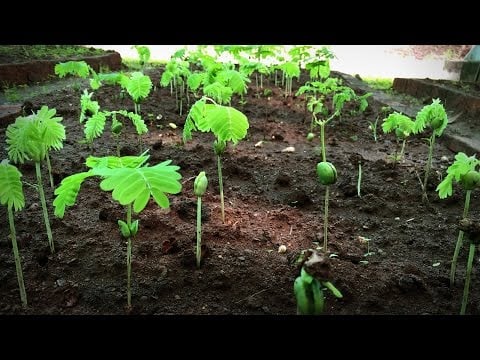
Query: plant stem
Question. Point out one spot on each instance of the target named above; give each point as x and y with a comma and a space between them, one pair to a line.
471, 254
199, 230
129, 257
359, 182
459, 243
322, 137
400, 157
18, 264
325, 220
429, 165
49, 170
44, 206
220, 185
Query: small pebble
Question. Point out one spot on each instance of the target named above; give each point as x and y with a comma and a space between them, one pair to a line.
259, 144
241, 258
282, 249
444, 158
172, 125
289, 149
397, 218
177, 297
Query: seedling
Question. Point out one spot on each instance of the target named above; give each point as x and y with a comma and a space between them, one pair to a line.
403, 127
138, 87
11, 195
373, 125
226, 123
199, 188
30, 138
359, 181
463, 171
308, 287
132, 183
143, 54
432, 115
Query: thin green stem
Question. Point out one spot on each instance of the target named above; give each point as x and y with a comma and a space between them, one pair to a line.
429, 165
322, 137
49, 166
471, 254
44, 206
220, 185
18, 264
325, 220
359, 182
199, 230
459, 243
129, 257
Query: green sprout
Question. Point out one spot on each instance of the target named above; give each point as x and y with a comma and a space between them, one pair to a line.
11, 195
132, 182
463, 171
432, 115
308, 287
226, 123
199, 188
403, 127
31, 138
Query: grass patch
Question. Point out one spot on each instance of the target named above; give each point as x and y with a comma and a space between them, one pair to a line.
20, 53
379, 83
134, 64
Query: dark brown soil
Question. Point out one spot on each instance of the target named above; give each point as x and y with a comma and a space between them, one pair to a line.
272, 199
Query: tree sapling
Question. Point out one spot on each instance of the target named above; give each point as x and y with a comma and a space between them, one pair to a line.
403, 127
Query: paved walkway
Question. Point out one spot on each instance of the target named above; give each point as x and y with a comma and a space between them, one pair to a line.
365, 60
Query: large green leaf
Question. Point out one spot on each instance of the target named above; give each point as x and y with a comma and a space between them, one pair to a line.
11, 191
138, 86
138, 184
227, 123
67, 192
220, 93
114, 162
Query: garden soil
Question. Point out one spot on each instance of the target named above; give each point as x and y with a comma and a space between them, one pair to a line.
272, 198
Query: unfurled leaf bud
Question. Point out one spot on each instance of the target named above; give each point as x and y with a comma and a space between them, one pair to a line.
219, 147
326, 173
134, 228
124, 229
200, 184
470, 180
310, 136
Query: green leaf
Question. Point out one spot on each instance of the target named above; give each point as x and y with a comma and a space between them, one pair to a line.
94, 126
138, 86
137, 121
220, 93
461, 166
11, 190
235, 80
397, 120
195, 80
114, 162
67, 192
333, 289
25, 140
53, 132
433, 114
78, 68
227, 123
124, 229
130, 184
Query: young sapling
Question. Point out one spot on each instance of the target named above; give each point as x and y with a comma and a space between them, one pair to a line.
132, 184
432, 115
226, 123
403, 127
463, 171
11, 195
199, 188
30, 138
